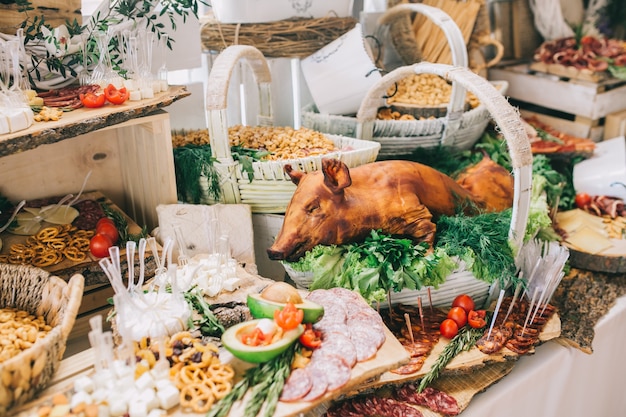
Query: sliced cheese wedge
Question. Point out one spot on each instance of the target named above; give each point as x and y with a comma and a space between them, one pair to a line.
587, 239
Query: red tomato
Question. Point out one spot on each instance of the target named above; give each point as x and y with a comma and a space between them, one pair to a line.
464, 301
254, 338
458, 315
448, 328
99, 245
109, 230
582, 200
115, 96
92, 100
476, 318
104, 220
311, 338
289, 317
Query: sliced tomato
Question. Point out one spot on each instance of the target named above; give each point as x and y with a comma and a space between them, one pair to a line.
476, 319
115, 95
311, 338
289, 317
92, 100
254, 338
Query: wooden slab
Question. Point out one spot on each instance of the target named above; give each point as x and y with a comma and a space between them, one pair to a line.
570, 72
84, 120
465, 362
89, 268
391, 355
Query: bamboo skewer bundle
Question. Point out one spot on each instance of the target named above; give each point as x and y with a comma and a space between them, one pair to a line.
432, 41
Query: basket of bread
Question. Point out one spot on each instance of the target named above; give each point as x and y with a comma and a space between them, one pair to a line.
263, 183
419, 110
37, 313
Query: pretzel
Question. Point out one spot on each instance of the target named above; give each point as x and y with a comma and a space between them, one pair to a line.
219, 389
57, 244
74, 254
81, 243
47, 233
46, 259
198, 397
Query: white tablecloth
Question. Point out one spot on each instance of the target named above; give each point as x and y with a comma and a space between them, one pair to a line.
563, 381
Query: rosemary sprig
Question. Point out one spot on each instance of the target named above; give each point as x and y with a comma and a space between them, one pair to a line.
266, 382
463, 341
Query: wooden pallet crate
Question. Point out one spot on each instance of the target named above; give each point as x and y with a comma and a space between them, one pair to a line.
55, 12
581, 105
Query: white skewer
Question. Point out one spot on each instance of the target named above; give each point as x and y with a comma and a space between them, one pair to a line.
495, 313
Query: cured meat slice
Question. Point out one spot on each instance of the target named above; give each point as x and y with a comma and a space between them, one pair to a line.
414, 365
493, 343
298, 384
319, 383
373, 406
374, 333
337, 371
365, 342
340, 344
436, 400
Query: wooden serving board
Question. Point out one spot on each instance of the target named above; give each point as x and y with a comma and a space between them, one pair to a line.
390, 356
89, 267
570, 72
465, 362
84, 120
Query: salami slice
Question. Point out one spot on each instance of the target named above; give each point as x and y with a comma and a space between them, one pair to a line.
494, 343
375, 334
337, 371
341, 345
414, 365
366, 346
319, 383
298, 384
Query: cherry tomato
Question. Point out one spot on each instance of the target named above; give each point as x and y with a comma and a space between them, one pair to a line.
99, 245
458, 315
464, 301
104, 220
110, 230
476, 318
448, 328
311, 338
92, 100
116, 96
582, 200
289, 317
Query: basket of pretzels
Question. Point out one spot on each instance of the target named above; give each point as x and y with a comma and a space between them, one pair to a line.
37, 313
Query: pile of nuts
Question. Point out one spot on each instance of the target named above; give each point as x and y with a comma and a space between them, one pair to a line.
19, 330
426, 90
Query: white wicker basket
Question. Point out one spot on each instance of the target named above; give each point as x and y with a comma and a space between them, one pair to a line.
271, 188
510, 124
458, 129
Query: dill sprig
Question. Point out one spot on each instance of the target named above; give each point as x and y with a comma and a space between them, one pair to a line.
482, 242
190, 163
463, 341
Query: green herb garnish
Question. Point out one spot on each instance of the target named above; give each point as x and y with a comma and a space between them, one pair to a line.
463, 341
207, 323
265, 383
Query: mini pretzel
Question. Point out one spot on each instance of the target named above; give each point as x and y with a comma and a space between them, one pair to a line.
57, 244
198, 397
81, 243
47, 233
17, 248
46, 259
74, 254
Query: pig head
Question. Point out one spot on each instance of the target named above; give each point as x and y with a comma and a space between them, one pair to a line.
337, 205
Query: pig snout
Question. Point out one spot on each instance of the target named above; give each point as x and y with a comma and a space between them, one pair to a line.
276, 254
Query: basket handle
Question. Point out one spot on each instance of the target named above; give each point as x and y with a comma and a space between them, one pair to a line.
506, 117
75, 287
217, 94
458, 49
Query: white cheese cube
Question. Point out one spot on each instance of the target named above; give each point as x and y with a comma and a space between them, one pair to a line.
4, 124
147, 92
157, 412
150, 398
85, 384
168, 397
138, 409
144, 382
117, 406
80, 397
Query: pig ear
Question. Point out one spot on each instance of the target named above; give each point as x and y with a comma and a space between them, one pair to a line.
295, 176
336, 175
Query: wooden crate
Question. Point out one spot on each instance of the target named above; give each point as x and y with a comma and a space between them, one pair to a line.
577, 97
55, 13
